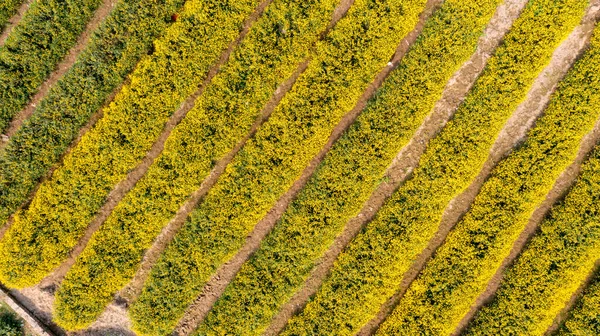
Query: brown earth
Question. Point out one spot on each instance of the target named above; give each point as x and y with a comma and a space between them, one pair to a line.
115, 318
225, 274
101, 13
134, 288
13, 21
121, 189
399, 170
564, 313
563, 59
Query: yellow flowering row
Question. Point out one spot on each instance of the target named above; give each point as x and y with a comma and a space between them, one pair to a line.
42, 236
35, 46
280, 40
112, 53
371, 268
584, 318
350, 171
450, 283
552, 266
345, 62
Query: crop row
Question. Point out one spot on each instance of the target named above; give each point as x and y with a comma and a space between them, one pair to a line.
8, 8
584, 318
344, 64
459, 272
111, 54
35, 46
222, 115
350, 171
552, 266
371, 268
554, 263
42, 236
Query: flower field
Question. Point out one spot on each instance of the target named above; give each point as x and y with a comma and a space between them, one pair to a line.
301, 167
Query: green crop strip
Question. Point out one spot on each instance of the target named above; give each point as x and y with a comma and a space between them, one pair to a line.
42, 236
113, 51
8, 8
222, 115
451, 282
371, 268
345, 62
584, 319
552, 266
37, 44
350, 172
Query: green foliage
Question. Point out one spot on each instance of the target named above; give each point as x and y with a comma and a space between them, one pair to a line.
8, 8
42, 236
350, 171
584, 319
344, 64
371, 268
10, 323
113, 50
462, 267
223, 114
552, 266
33, 49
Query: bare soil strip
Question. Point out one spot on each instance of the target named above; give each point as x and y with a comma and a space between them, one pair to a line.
564, 313
114, 319
134, 288
37, 300
225, 274
101, 13
403, 165
32, 322
13, 21
562, 60
136, 174
93, 119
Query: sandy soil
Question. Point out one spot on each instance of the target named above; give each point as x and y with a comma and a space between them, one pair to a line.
115, 320
402, 167
13, 21
217, 284
533, 107
101, 13
564, 313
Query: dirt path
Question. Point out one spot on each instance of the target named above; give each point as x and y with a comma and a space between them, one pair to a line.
13, 21
563, 59
138, 172
403, 166
225, 274
93, 119
32, 323
101, 13
114, 319
134, 288
564, 313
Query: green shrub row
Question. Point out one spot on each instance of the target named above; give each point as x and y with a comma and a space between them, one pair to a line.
10, 323
459, 272
584, 318
371, 268
223, 114
42, 236
553, 264
350, 171
35, 46
112, 53
8, 8
345, 62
